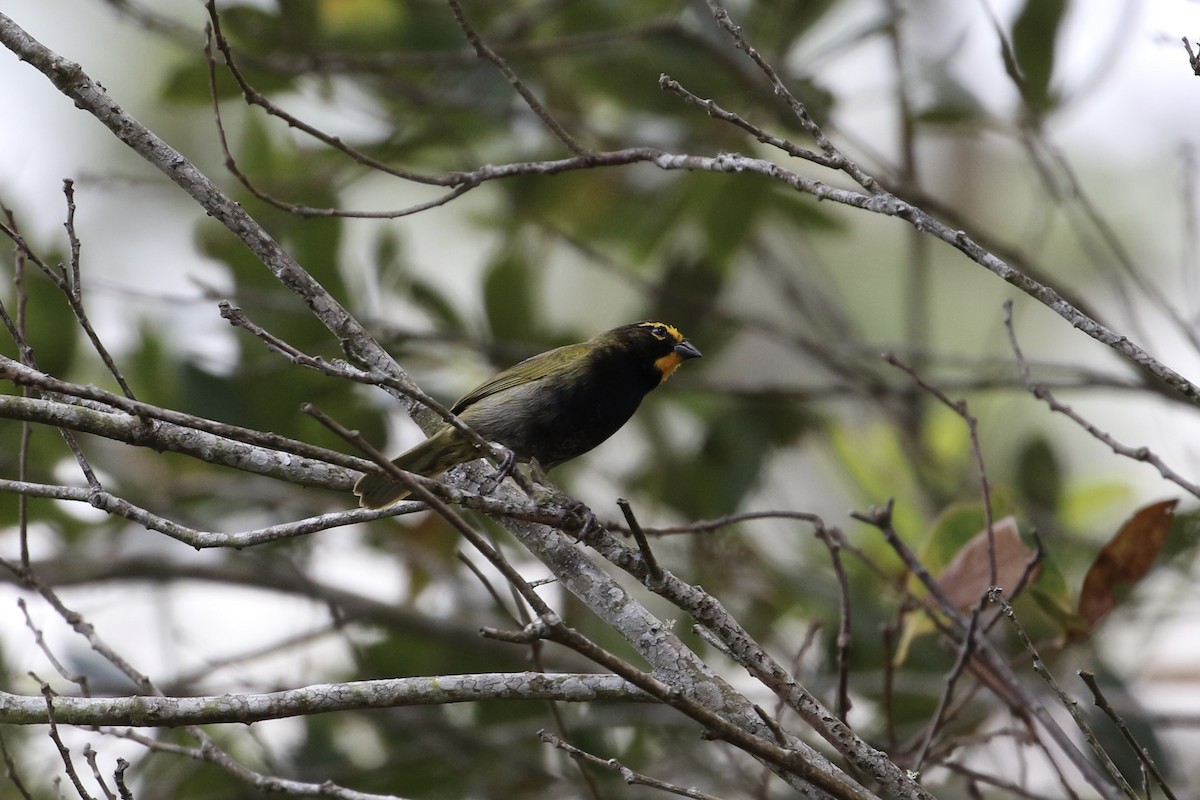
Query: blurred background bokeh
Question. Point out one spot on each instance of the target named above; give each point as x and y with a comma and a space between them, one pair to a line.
1059, 134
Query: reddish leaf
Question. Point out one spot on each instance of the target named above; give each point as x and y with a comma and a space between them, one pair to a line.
969, 574
1125, 560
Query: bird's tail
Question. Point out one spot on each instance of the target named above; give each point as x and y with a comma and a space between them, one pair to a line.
430, 458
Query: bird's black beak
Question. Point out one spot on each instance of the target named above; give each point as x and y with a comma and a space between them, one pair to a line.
687, 350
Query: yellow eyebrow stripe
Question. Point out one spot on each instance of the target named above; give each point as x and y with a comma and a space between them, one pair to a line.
671, 329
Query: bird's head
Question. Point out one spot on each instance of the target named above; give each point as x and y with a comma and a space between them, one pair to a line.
659, 343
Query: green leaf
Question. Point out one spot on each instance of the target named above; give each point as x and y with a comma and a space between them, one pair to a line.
1039, 476
153, 357
508, 297
1033, 43
741, 438
951, 102
189, 83
49, 326
431, 300
1053, 597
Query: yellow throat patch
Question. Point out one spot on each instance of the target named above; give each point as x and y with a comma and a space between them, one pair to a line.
670, 362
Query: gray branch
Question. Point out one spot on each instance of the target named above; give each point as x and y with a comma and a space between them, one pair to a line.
175, 438
170, 712
73, 82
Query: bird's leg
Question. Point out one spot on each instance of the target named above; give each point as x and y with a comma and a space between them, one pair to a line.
578, 519
507, 465
538, 473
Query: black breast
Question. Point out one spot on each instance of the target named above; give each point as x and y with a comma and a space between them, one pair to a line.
593, 407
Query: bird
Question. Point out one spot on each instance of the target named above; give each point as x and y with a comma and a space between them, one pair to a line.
549, 408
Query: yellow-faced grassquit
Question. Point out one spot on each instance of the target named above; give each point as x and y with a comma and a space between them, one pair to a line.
549, 408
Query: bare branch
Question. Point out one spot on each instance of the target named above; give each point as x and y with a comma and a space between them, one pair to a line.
75, 84
1193, 58
209, 753
104, 423
960, 408
1143, 755
1144, 454
535, 105
631, 777
143, 711
996, 595
63, 751
10, 770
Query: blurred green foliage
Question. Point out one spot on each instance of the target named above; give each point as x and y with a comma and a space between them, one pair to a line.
729, 259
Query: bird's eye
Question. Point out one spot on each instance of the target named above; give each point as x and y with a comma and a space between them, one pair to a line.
659, 332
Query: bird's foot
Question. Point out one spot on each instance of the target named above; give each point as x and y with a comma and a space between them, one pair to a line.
579, 520
507, 465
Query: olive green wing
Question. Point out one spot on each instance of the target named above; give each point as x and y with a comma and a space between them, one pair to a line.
535, 368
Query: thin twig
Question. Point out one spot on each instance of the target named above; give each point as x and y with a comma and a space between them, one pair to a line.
77, 678
58, 277
63, 752
19, 329
669, 84
793, 761
881, 518
1144, 454
67, 282
498, 454
1006, 786
965, 650
74, 290
996, 596
86, 630
208, 752
1032, 565
1143, 754
630, 777
833, 540
1193, 58
90, 756
799, 110
654, 571
119, 779
960, 408
535, 105
26, 376
490, 588
888, 632
708, 525
772, 725
256, 98
10, 770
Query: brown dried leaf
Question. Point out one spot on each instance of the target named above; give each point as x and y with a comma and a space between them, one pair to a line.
1126, 559
968, 575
